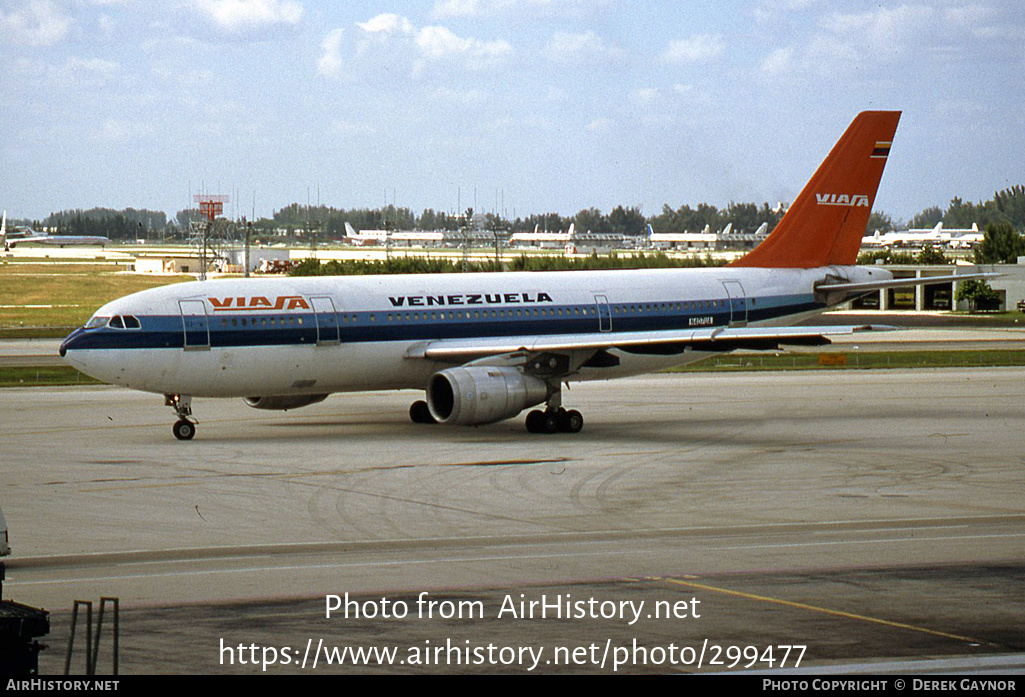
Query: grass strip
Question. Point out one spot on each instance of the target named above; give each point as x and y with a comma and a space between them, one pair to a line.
855, 360
43, 375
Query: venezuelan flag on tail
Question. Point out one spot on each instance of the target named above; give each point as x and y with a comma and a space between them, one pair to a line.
826, 222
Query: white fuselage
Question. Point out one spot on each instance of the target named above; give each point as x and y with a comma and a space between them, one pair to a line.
317, 335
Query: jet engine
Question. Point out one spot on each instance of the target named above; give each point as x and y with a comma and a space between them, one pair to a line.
482, 395
284, 402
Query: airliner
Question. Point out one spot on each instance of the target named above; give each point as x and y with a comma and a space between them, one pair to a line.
484, 347
31, 235
963, 238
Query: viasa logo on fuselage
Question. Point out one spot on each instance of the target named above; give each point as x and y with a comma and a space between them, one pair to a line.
856, 200
259, 302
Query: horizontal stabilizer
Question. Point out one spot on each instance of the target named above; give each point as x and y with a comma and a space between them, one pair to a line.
902, 282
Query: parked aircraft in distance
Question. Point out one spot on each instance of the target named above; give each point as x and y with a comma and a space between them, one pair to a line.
963, 238
487, 346
10, 240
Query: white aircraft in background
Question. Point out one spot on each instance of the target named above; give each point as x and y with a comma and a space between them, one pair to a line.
487, 346
13, 239
920, 237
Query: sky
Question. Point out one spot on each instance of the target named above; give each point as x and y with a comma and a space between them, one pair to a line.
517, 107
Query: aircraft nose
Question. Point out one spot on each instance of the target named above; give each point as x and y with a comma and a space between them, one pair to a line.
70, 341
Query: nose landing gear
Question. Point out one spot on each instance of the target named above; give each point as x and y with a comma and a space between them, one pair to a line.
185, 427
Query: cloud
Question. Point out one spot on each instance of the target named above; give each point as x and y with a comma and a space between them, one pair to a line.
644, 96
479, 8
387, 24
72, 74
770, 10
390, 41
588, 47
779, 61
36, 23
880, 36
120, 130
330, 62
696, 49
436, 43
458, 8
242, 15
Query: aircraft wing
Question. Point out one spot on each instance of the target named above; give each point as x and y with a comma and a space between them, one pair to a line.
662, 342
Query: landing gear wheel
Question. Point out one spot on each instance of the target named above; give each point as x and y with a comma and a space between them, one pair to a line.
535, 421
555, 421
549, 422
184, 430
570, 421
420, 413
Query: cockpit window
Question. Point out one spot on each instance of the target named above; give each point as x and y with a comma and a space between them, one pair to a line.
115, 322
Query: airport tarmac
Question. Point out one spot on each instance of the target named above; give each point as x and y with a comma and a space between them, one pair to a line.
884, 506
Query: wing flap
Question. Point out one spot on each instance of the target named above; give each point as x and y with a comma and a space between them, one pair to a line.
709, 339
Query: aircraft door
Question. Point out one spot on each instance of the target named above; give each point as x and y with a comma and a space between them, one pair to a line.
738, 303
327, 320
195, 325
604, 313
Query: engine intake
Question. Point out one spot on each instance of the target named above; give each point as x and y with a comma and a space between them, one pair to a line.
482, 395
284, 402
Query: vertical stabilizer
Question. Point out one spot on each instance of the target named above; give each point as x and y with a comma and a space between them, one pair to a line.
826, 222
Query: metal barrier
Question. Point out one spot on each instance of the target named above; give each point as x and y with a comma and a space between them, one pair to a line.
92, 649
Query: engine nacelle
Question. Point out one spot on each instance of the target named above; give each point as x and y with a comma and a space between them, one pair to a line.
482, 395
284, 402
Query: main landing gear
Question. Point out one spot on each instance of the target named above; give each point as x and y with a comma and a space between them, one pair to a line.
554, 418
555, 421
185, 427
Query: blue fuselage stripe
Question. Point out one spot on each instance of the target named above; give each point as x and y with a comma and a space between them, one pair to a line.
227, 329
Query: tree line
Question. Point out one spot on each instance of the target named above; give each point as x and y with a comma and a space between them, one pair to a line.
424, 264
127, 224
327, 222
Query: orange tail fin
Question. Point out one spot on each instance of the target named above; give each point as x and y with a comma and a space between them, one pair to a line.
824, 226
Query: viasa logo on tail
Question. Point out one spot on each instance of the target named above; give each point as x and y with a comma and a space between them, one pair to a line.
854, 200
258, 302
